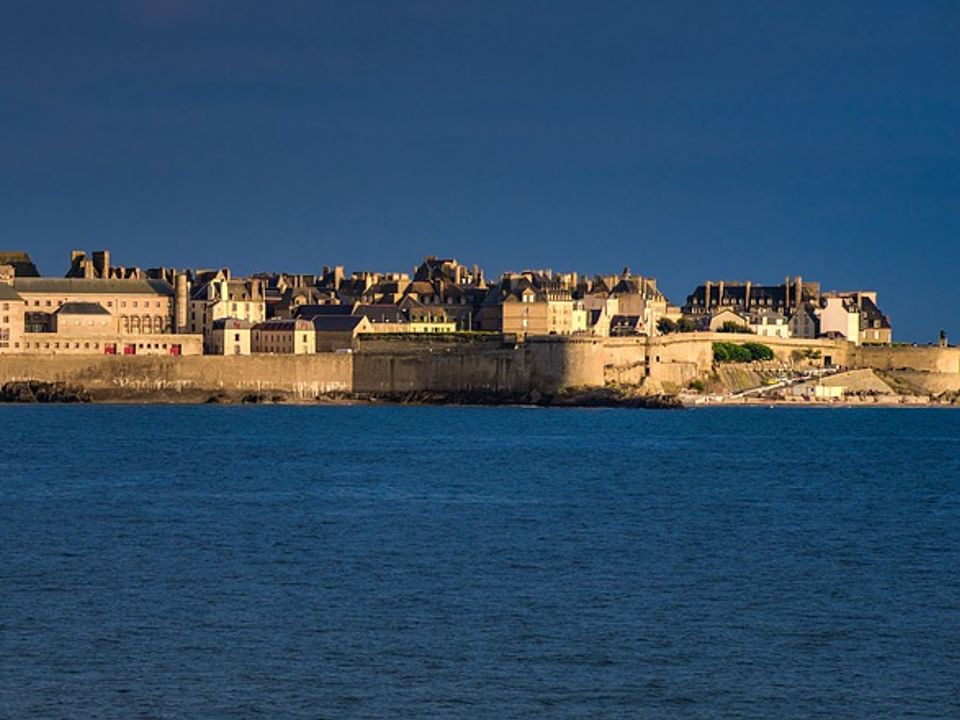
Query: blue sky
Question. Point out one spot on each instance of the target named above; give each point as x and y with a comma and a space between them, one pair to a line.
688, 140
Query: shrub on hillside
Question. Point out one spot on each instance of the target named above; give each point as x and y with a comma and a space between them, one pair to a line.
731, 326
759, 351
724, 352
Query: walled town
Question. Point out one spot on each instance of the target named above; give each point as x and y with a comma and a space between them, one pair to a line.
447, 331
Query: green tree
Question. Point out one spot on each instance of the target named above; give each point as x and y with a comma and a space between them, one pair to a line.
759, 351
731, 326
666, 326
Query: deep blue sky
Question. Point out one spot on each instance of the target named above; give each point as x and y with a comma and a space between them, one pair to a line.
685, 139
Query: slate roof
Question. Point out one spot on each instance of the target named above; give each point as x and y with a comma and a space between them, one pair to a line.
231, 324
309, 312
381, 313
872, 313
337, 323
278, 325
8, 293
70, 286
82, 308
22, 264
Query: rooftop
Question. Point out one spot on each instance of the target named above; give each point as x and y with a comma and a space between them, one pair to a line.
71, 286
82, 308
8, 293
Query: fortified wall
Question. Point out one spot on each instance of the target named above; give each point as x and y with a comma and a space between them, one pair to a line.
186, 378
440, 363
901, 357
457, 363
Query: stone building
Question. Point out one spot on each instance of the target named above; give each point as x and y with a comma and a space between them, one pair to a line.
216, 295
746, 297
450, 286
625, 295
287, 337
769, 323
339, 332
140, 307
856, 316
527, 303
230, 336
89, 316
11, 319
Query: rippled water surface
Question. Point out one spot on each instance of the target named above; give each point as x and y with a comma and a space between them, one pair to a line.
392, 562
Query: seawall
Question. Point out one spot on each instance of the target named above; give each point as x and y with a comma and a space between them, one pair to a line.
467, 364
187, 378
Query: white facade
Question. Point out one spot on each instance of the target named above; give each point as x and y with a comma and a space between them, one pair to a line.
837, 317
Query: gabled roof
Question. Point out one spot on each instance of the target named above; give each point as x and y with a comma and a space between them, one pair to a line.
8, 293
381, 313
22, 264
73, 286
82, 308
872, 313
309, 312
284, 325
337, 323
628, 286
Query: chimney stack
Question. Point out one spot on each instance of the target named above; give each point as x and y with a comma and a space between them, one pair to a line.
101, 263
180, 301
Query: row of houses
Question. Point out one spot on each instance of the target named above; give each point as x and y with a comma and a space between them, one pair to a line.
794, 309
99, 307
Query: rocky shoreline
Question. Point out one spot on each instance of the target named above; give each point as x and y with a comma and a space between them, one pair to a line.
37, 391
33, 391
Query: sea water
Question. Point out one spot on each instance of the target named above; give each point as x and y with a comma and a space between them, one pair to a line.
393, 562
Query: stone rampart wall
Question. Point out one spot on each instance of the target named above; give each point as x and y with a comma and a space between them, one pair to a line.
926, 359
394, 364
303, 376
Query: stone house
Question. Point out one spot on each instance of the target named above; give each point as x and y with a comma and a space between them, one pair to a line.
286, 337
230, 336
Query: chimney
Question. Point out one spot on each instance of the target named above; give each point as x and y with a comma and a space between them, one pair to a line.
720, 294
101, 263
746, 296
180, 301
798, 293
706, 295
